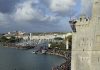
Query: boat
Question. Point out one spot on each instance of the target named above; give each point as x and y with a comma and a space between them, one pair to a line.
44, 51
34, 52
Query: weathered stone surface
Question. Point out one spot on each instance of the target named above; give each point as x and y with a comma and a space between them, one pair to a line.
86, 41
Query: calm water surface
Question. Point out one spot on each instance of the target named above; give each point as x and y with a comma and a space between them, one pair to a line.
15, 59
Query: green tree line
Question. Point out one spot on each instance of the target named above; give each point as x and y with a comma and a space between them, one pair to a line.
12, 39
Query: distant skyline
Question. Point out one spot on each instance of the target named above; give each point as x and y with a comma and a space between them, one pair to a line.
41, 15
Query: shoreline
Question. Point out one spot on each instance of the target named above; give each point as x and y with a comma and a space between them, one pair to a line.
62, 66
56, 55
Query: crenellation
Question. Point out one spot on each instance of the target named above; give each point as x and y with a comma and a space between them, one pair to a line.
86, 41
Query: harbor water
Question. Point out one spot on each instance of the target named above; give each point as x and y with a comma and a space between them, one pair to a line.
17, 59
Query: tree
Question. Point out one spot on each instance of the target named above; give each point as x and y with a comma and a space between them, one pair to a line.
3, 39
58, 38
12, 39
60, 46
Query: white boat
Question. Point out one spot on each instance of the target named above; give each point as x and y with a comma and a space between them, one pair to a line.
34, 52
44, 51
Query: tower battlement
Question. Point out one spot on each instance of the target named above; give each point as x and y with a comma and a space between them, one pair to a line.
96, 8
80, 23
86, 41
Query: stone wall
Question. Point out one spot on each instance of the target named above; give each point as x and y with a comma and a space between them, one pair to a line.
86, 42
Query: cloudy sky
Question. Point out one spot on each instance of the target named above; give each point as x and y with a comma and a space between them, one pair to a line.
40, 15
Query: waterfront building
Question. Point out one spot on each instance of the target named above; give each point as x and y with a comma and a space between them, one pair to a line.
44, 37
35, 36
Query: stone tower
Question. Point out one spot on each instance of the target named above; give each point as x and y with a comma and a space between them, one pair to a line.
95, 55
86, 41
96, 8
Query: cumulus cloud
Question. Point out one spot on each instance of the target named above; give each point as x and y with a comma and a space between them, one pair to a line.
25, 12
36, 14
28, 15
28, 12
61, 5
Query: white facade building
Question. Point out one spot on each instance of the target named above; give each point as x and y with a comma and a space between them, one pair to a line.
43, 37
